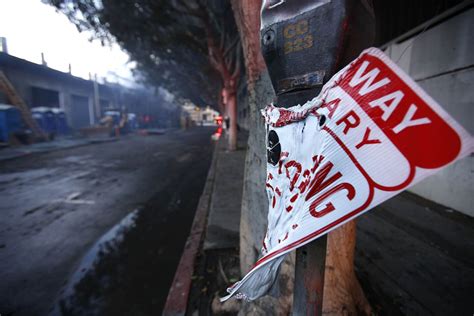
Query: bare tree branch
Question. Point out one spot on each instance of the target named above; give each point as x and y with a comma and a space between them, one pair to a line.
232, 45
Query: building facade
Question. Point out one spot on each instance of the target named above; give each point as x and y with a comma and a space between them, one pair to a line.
84, 101
441, 61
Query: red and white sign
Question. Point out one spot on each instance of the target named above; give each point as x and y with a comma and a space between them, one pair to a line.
371, 133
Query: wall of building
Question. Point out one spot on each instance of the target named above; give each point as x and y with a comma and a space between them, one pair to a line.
76, 95
208, 115
25, 81
25, 76
441, 61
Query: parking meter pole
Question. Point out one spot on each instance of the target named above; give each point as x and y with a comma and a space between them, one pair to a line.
304, 43
309, 278
310, 261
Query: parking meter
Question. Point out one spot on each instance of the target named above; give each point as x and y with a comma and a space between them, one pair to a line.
304, 43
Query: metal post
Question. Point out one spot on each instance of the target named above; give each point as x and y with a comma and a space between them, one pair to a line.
309, 267
309, 278
97, 109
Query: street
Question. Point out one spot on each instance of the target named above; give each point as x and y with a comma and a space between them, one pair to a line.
56, 205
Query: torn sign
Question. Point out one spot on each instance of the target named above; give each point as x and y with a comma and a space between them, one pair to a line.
371, 133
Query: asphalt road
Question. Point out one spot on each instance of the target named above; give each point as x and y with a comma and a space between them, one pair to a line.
55, 206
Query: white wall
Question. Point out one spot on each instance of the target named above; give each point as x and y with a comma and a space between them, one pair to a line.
441, 60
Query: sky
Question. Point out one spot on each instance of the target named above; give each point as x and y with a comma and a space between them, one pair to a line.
32, 27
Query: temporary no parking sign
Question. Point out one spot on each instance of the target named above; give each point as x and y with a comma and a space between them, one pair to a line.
371, 133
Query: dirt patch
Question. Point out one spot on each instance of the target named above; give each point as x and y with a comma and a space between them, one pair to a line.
214, 271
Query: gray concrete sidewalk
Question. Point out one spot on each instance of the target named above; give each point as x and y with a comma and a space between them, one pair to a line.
224, 213
416, 257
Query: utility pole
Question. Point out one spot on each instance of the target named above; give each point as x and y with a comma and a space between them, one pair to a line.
96, 98
3, 45
304, 43
43, 60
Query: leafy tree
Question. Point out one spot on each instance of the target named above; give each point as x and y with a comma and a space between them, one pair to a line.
188, 46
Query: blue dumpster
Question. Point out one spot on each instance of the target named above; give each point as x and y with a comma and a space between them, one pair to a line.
61, 126
10, 121
45, 118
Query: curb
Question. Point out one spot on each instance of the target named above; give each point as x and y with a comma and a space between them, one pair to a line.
177, 300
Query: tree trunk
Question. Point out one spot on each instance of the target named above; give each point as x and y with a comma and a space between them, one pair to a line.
247, 17
226, 61
220, 101
343, 294
231, 106
229, 99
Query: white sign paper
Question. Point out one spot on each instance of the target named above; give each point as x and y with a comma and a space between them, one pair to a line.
371, 133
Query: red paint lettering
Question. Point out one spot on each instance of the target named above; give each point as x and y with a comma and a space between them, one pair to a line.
297, 166
304, 183
366, 140
317, 161
320, 182
402, 113
329, 206
367, 79
351, 120
277, 191
332, 106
